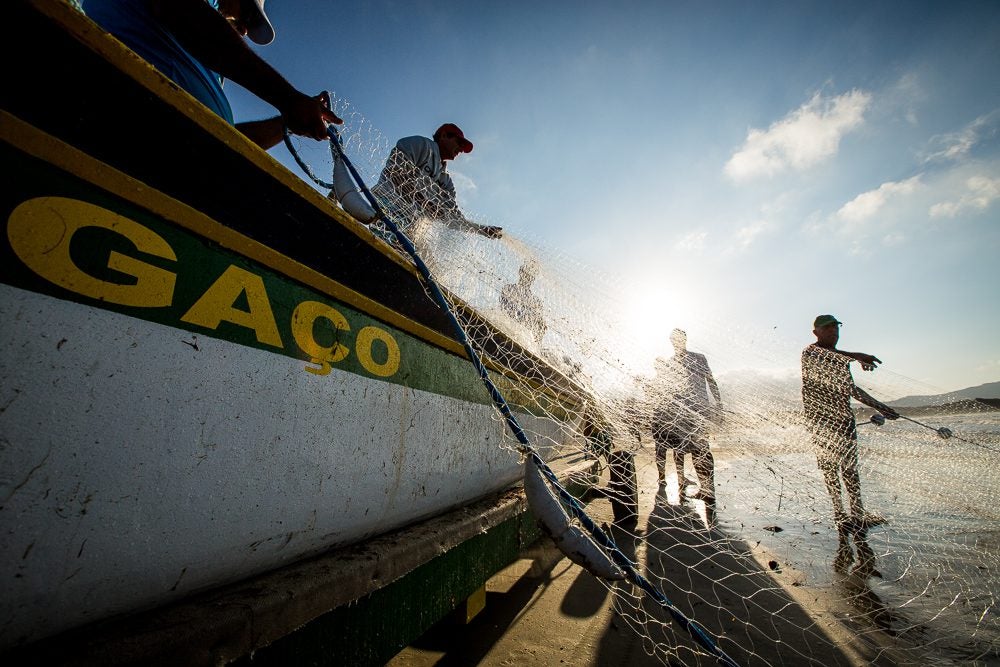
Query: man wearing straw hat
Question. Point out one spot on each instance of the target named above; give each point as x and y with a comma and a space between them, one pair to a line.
197, 42
827, 389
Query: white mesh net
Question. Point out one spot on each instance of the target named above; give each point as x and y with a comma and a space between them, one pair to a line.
759, 556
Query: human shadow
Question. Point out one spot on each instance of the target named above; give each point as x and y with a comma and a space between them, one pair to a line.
857, 569
716, 581
585, 596
860, 581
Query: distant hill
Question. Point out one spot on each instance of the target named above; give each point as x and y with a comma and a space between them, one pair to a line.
988, 390
965, 406
780, 391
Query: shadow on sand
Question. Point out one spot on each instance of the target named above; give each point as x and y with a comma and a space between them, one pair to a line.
463, 645
553, 612
716, 581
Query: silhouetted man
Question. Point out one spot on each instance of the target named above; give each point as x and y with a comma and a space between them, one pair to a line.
682, 410
827, 389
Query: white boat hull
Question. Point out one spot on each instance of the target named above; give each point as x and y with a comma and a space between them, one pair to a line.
138, 469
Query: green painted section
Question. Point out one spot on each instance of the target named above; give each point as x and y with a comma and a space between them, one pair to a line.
376, 627
200, 264
371, 630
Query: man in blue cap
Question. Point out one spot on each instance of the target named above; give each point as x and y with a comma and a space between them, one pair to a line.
827, 389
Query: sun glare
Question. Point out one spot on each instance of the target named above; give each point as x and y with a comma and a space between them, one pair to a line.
647, 314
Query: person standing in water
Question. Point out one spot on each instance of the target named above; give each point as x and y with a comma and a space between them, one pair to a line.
827, 389
682, 411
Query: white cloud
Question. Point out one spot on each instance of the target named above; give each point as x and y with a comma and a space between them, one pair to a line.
747, 235
875, 213
464, 186
692, 241
981, 191
957, 145
893, 239
903, 211
803, 138
815, 223
867, 204
989, 365
906, 96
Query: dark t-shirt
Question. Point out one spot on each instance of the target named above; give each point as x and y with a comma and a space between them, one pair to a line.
681, 403
827, 385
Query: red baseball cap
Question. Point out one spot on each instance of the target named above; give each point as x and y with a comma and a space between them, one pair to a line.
455, 131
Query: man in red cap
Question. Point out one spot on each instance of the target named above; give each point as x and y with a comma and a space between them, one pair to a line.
415, 181
827, 389
197, 43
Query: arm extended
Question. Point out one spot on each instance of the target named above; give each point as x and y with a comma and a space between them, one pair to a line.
869, 362
210, 38
429, 197
866, 398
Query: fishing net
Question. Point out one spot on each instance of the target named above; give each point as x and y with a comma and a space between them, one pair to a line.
758, 558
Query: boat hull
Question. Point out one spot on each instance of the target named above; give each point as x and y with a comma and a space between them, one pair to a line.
138, 469
182, 407
207, 370
166, 436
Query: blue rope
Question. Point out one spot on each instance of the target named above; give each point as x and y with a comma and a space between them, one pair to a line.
693, 628
436, 293
302, 165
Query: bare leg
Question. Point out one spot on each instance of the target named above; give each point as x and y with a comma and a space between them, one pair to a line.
679, 465
704, 467
852, 482
830, 468
661, 462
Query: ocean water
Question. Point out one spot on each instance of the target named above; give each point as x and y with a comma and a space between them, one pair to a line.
930, 577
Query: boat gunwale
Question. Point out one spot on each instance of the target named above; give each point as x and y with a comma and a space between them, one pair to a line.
539, 374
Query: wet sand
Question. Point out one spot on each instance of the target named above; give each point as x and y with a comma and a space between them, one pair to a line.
545, 610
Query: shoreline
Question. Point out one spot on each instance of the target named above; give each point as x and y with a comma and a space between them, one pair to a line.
546, 610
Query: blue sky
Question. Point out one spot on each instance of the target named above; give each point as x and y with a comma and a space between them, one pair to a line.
750, 164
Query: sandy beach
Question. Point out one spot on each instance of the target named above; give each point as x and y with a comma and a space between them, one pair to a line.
545, 610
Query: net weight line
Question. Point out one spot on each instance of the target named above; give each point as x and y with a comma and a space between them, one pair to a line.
943, 431
699, 634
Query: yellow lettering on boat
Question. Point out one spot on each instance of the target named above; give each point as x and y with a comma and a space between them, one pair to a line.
217, 305
303, 329
363, 347
41, 229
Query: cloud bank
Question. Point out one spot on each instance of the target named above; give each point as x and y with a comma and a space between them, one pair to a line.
981, 191
803, 138
958, 145
868, 204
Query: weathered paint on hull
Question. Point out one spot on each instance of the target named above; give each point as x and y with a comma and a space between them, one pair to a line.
138, 469
177, 415
204, 378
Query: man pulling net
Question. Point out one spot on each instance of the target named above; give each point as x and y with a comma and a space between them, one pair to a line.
827, 389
